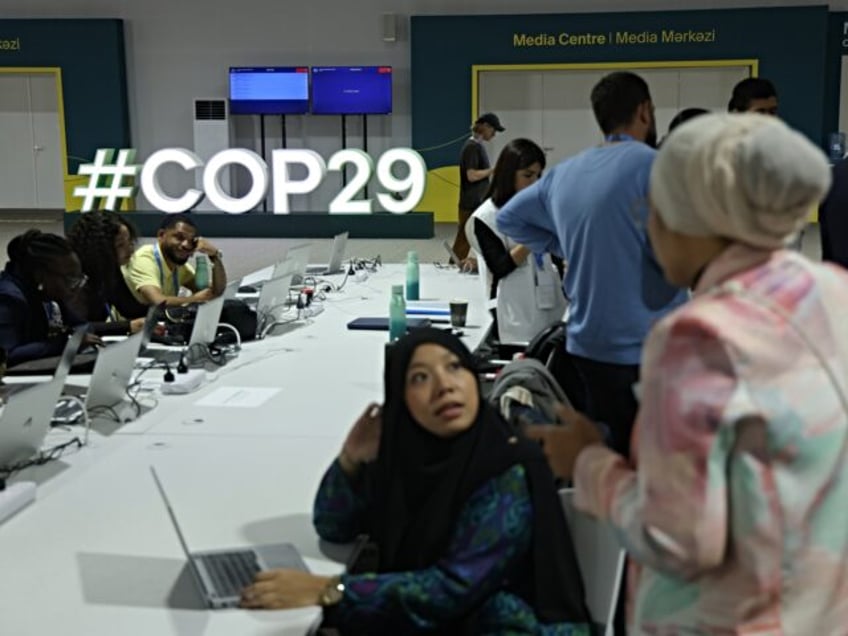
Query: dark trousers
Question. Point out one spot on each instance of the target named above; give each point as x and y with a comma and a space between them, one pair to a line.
608, 397
460, 243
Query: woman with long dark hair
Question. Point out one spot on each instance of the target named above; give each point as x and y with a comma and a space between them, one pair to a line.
104, 242
527, 287
463, 512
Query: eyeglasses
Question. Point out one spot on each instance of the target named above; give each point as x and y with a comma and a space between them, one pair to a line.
76, 282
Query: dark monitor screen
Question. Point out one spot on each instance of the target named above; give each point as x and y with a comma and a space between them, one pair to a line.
351, 90
270, 90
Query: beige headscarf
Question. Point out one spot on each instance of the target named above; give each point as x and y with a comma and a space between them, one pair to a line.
745, 177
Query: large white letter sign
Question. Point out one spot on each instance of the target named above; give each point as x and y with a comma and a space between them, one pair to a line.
258, 170
150, 182
343, 203
281, 159
413, 183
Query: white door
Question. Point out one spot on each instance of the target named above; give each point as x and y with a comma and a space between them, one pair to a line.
564, 124
47, 142
569, 123
31, 171
17, 163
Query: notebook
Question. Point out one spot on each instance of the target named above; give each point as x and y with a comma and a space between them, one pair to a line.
382, 324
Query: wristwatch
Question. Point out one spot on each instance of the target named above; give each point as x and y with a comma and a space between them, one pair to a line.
332, 592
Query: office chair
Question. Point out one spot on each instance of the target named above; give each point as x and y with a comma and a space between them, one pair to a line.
601, 561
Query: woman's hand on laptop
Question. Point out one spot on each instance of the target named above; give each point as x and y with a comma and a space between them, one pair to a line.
284, 589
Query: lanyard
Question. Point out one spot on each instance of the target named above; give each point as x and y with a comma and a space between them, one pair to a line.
618, 137
176, 279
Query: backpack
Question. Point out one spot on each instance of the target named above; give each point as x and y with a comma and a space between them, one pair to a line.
526, 392
237, 313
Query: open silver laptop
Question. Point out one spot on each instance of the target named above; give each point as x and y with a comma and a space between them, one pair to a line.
273, 301
231, 290
26, 416
206, 321
336, 258
114, 366
294, 262
299, 257
203, 331
221, 575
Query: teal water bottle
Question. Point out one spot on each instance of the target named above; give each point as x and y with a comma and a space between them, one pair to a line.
397, 314
412, 291
201, 271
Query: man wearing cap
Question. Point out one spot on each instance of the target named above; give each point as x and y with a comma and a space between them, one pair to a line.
474, 173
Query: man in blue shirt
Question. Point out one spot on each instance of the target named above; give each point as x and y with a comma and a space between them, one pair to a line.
591, 209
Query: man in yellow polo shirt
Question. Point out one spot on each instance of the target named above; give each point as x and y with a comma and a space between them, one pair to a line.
156, 272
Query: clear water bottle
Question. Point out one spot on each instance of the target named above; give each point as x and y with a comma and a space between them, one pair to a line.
201, 271
412, 291
397, 314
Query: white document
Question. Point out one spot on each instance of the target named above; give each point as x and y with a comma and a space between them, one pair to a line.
238, 397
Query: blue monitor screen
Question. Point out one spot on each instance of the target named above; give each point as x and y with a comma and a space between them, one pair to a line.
351, 90
272, 90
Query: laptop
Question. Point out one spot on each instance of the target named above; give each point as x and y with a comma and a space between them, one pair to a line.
26, 416
336, 257
231, 290
206, 321
273, 297
221, 575
114, 366
299, 257
203, 331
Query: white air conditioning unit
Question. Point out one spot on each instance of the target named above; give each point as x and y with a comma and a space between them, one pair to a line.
211, 135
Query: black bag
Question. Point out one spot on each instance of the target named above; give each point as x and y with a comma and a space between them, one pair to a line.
238, 314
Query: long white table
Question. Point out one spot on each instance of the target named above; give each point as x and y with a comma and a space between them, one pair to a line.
96, 553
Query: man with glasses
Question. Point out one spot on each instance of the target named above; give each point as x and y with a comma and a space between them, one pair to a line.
37, 288
157, 272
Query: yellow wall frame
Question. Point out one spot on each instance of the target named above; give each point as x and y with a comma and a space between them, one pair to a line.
753, 64
70, 180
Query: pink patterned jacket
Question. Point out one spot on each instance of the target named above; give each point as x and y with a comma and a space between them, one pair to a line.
735, 517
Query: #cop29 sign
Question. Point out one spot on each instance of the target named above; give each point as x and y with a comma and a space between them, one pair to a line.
111, 170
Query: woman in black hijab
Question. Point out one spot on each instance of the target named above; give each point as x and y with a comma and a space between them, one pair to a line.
469, 533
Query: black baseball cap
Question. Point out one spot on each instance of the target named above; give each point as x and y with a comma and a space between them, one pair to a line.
492, 120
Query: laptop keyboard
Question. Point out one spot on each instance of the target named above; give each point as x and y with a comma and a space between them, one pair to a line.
231, 572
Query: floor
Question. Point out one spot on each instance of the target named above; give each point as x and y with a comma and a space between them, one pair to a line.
243, 256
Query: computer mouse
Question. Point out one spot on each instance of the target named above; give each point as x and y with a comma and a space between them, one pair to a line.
247, 289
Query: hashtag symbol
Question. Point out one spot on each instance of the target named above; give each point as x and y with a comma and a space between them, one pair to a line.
113, 174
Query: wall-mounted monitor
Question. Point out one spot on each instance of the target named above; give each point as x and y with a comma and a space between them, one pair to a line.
269, 90
351, 90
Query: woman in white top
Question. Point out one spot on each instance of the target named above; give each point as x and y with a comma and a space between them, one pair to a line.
528, 287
